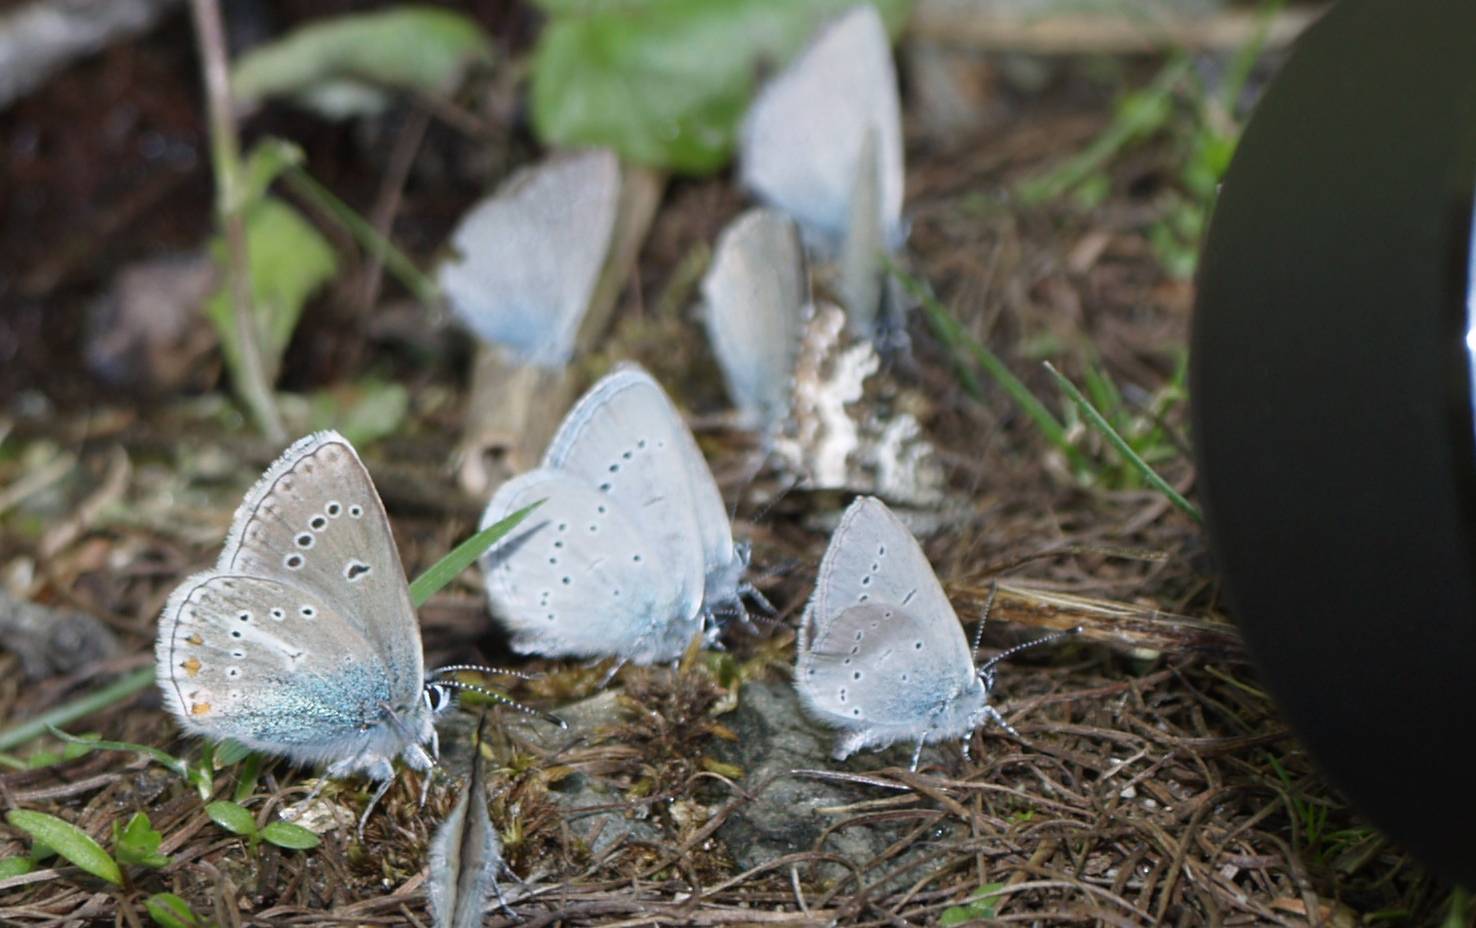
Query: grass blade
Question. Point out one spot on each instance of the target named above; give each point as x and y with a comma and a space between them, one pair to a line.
69, 841
1117, 441
952, 334
461, 557
67, 713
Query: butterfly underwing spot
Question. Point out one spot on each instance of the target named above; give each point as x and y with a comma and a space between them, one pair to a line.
356, 511
355, 570
278, 613
305, 540
191, 666
334, 509
195, 639
318, 523
244, 617
233, 672
293, 561
307, 612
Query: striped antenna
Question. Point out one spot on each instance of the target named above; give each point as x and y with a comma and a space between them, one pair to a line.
505, 700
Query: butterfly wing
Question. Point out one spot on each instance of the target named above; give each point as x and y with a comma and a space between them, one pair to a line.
275, 666
314, 520
802, 139
626, 438
531, 254
580, 578
755, 295
873, 558
884, 673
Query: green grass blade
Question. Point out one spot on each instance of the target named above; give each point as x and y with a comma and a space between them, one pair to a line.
1117, 441
461, 557
952, 334
67, 713
163, 757
402, 268
69, 841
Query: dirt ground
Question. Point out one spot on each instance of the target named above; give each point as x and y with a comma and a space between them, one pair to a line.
1149, 786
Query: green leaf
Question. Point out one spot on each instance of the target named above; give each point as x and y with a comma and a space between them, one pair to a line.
268, 160
69, 841
363, 412
170, 911
232, 817
289, 260
137, 843
461, 557
982, 904
15, 866
342, 66
666, 82
288, 835
246, 778
228, 753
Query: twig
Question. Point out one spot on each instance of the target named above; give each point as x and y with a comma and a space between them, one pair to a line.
961, 23
252, 380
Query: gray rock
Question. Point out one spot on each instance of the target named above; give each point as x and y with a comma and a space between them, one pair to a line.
788, 814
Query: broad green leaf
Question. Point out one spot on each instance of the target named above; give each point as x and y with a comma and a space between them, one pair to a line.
170, 911
289, 260
15, 866
69, 841
342, 66
981, 905
288, 835
137, 843
666, 82
232, 817
443, 571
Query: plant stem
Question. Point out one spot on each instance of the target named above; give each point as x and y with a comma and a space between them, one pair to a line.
1123, 448
253, 381
67, 713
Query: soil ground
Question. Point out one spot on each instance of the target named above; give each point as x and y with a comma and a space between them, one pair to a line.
1147, 788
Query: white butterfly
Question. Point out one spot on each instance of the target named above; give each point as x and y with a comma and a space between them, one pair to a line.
531, 254
633, 546
823, 143
302, 641
882, 656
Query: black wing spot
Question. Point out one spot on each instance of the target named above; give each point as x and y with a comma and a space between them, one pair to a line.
293, 561
317, 523
354, 570
334, 509
355, 511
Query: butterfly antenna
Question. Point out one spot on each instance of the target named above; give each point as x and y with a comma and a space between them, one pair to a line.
1008, 653
984, 617
505, 700
478, 668
768, 507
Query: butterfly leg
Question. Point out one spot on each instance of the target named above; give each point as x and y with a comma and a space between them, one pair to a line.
1000, 720
748, 591
384, 772
965, 746
916, 754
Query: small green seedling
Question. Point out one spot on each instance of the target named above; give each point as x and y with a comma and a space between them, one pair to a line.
136, 844
170, 911
983, 903
15, 866
239, 821
69, 841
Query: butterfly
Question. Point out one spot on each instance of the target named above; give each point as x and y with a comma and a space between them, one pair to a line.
530, 255
823, 143
633, 548
883, 657
302, 640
